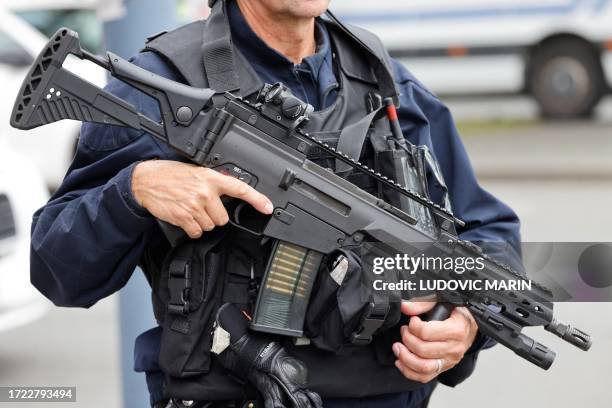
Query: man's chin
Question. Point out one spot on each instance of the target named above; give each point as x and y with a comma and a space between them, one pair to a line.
309, 8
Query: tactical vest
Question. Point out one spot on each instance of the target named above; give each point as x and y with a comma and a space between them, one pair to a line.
225, 265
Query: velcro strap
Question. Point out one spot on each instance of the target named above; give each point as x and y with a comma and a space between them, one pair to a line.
179, 285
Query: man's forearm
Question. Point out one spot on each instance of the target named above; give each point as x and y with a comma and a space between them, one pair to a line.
85, 244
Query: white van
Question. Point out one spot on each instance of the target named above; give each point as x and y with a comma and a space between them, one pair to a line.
22, 191
559, 51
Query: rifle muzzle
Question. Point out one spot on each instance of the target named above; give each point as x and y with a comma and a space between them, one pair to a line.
570, 334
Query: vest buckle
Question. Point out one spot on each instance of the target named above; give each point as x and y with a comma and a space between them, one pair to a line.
179, 285
372, 319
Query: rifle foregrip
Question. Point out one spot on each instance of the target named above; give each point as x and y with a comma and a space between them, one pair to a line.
441, 311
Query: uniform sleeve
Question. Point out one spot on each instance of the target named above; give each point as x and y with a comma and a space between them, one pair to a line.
489, 222
88, 239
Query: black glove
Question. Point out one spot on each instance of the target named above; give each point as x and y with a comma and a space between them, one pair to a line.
279, 378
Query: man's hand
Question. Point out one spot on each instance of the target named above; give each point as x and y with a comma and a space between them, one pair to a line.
429, 348
189, 196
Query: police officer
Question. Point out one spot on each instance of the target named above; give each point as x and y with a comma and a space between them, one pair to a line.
100, 224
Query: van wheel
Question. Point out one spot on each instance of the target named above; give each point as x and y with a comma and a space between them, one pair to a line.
566, 79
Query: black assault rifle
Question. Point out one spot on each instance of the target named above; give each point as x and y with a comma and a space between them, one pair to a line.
315, 211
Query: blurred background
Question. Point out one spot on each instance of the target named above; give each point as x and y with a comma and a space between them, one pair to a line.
528, 82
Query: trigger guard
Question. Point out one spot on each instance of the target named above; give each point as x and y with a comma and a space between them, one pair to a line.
234, 220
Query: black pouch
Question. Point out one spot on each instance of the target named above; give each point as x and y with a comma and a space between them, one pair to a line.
325, 325
407, 170
190, 285
244, 265
338, 304
414, 167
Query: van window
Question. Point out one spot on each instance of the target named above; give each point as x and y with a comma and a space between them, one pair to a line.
84, 22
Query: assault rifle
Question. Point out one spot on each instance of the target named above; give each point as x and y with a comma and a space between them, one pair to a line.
315, 211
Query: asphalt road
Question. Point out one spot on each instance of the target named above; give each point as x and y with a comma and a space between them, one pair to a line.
67, 348
530, 166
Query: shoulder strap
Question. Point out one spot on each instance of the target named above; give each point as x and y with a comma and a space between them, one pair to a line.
202, 52
375, 52
218, 52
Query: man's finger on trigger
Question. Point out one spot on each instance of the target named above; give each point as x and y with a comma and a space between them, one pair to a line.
231, 186
415, 307
238, 189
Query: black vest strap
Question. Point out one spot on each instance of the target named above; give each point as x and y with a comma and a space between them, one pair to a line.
188, 51
377, 54
218, 52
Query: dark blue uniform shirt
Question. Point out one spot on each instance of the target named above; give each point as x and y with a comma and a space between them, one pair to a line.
88, 239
